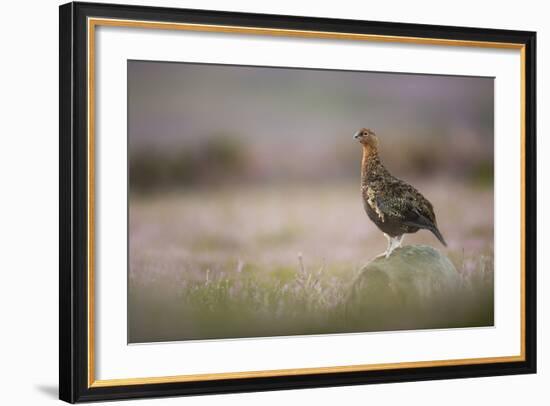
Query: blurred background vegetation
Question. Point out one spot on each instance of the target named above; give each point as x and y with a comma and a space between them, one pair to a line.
195, 125
235, 170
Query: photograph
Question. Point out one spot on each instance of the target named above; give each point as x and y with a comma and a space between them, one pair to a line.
284, 201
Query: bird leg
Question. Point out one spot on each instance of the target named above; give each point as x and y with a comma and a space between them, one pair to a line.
393, 243
400, 239
384, 254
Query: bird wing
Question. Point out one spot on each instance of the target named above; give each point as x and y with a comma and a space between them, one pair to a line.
410, 212
402, 208
405, 203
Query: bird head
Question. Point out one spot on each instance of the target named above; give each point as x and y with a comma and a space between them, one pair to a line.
367, 137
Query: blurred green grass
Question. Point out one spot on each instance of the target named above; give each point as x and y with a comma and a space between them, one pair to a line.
225, 262
298, 301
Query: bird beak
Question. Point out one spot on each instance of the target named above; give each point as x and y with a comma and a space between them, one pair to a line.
356, 135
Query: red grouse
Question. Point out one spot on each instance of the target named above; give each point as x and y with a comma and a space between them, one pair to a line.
394, 206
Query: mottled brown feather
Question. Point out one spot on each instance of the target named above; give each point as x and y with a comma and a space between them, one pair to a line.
392, 204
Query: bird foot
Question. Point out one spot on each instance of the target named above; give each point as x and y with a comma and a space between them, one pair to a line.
390, 252
393, 243
386, 254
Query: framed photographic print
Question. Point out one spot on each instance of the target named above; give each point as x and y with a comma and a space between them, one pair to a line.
256, 202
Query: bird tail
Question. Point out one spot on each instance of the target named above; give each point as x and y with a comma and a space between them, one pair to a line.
436, 232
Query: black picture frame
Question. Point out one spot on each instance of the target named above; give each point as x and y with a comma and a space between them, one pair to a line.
74, 385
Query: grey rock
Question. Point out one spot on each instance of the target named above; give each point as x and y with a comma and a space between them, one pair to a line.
416, 287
